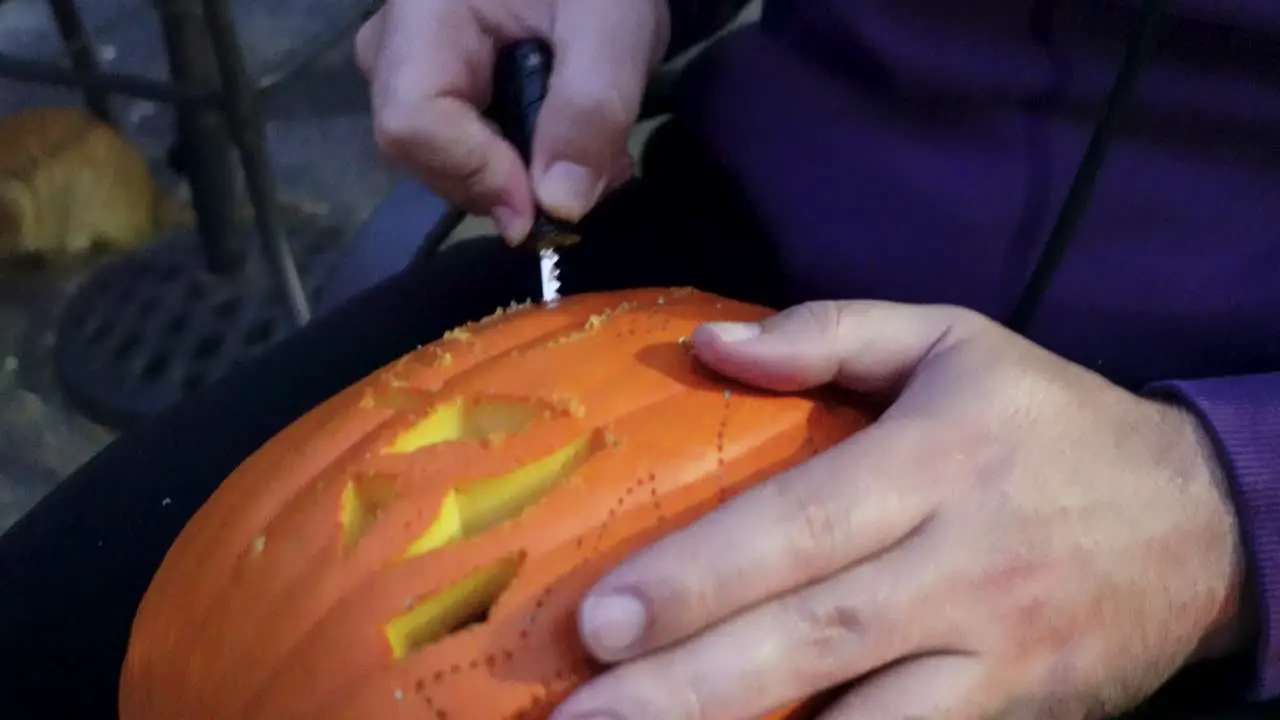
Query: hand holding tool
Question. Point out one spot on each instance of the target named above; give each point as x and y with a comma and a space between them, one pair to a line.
522, 71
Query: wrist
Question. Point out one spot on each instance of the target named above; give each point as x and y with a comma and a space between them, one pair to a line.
1231, 625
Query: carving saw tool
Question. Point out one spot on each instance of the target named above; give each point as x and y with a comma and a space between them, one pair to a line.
522, 71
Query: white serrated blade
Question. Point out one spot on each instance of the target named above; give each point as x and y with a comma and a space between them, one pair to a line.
548, 263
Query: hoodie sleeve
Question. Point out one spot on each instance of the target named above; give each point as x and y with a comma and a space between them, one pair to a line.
1242, 415
693, 21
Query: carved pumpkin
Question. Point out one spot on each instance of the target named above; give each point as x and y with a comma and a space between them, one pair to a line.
417, 546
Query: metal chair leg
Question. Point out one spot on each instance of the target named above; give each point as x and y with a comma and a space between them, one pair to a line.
76, 41
203, 143
245, 121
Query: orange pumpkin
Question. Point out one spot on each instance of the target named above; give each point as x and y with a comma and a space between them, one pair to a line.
417, 545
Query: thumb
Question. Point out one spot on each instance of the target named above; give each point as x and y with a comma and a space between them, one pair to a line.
604, 53
865, 346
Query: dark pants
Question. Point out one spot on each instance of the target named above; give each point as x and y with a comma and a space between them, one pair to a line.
74, 569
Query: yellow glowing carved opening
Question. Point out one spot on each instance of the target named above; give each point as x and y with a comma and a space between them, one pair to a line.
363, 499
465, 602
483, 504
459, 420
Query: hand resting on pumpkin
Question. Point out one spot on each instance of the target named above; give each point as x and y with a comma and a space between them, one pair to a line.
1016, 537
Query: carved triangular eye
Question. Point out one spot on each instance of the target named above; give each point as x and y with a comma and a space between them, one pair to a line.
461, 420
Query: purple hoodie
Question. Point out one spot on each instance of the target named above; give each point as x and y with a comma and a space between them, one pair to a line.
919, 150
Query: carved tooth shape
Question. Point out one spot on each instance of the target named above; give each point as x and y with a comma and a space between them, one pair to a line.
470, 510
460, 605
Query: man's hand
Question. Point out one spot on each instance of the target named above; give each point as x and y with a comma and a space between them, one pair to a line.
1015, 538
430, 68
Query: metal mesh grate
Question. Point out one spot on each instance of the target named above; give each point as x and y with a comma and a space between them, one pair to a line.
155, 325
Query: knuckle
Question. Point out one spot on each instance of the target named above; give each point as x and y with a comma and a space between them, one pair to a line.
460, 170
826, 628
680, 603
612, 109
822, 317
647, 688
962, 319
689, 697
603, 108
470, 170
817, 532
393, 131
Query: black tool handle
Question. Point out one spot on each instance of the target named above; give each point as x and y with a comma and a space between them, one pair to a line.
522, 72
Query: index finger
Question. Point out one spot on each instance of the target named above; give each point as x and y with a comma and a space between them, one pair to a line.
858, 499
432, 74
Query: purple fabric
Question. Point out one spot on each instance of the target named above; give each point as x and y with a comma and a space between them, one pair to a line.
918, 150
1243, 416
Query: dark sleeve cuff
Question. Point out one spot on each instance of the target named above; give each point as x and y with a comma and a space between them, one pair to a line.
693, 21
1242, 415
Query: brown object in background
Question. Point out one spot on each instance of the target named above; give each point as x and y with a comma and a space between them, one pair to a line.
71, 184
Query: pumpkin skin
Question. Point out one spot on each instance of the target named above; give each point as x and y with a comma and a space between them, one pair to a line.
498, 472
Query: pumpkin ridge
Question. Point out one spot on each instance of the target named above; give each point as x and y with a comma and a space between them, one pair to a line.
382, 437
236, 510
710, 393
610, 544
576, 307
272, 605
381, 377
597, 439
473, 344
343, 463
301, 570
713, 386
600, 537
198, 583
348, 462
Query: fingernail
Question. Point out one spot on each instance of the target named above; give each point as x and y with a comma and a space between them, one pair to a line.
613, 622
734, 332
511, 226
568, 190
